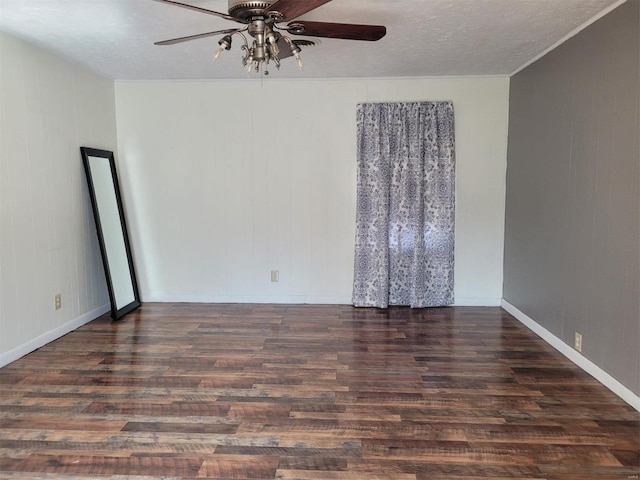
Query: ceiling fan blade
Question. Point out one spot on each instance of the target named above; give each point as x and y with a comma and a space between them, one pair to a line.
173, 41
347, 31
290, 9
198, 9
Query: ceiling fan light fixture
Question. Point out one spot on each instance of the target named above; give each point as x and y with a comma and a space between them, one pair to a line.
225, 44
272, 40
295, 51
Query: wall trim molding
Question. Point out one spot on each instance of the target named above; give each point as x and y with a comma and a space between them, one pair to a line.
47, 337
251, 299
477, 302
569, 35
587, 365
296, 299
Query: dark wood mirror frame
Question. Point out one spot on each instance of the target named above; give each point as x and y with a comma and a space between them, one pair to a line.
104, 190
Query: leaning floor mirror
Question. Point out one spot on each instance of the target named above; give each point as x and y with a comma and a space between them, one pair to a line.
108, 213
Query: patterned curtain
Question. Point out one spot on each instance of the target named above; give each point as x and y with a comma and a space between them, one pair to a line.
404, 252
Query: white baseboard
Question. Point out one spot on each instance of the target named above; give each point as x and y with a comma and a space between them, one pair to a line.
294, 299
587, 365
477, 302
252, 299
22, 350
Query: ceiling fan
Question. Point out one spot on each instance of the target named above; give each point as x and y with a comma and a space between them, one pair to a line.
263, 21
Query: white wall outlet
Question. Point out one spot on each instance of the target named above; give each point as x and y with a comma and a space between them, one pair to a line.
578, 342
57, 302
275, 275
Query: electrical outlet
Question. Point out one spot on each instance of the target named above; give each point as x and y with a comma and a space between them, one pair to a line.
275, 275
57, 302
578, 342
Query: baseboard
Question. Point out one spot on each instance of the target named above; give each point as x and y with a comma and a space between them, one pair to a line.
587, 365
252, 299
295, 299
477, 302
22, 350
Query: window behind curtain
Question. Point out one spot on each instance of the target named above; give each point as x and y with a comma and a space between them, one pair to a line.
404, 253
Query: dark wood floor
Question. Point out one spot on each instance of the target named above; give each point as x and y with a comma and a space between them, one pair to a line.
310, 392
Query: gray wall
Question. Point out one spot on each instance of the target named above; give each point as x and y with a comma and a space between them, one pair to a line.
572, 241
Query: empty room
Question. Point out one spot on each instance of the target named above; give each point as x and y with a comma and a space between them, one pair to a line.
320, 239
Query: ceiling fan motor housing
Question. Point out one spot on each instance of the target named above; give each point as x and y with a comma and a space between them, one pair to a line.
244, 9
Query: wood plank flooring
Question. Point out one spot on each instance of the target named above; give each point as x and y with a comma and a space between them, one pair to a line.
309, 392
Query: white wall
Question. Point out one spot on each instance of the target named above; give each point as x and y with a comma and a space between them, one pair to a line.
48, 245
226, 181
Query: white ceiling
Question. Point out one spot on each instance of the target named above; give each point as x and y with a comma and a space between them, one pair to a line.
424, 37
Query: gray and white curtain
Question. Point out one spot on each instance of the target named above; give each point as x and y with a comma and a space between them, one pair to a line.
404, 252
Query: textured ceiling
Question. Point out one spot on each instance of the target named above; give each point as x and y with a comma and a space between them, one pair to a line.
424, 37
